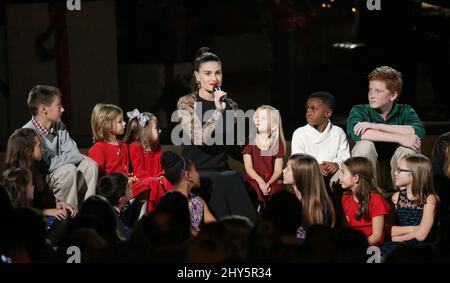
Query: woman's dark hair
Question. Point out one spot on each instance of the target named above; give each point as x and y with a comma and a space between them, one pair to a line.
112, 187
174, 165
203, 55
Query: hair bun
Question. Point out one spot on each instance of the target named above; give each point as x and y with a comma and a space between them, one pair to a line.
202, 51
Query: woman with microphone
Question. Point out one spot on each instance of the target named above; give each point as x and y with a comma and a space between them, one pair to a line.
203, 117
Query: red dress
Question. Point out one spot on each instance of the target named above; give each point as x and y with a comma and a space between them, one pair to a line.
112, 158
377, 207
264, 163
147, 168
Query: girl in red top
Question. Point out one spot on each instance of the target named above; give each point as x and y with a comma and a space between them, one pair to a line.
263, 157
364, 205
110, 154
142, 136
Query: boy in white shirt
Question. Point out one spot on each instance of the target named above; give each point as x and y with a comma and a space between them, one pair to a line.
320, 138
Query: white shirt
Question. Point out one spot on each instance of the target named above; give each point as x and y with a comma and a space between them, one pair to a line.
331, 145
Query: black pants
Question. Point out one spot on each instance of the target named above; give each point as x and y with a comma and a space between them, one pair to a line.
225, 194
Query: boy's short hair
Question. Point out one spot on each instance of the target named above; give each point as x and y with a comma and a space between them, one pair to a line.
41, 94
388, 75
113, 187
326, 98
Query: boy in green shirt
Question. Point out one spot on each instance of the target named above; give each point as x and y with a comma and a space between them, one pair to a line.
383, 120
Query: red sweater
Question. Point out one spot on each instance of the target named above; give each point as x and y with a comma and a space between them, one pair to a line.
110, 158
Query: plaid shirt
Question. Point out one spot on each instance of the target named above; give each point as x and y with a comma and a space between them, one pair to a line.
41, 128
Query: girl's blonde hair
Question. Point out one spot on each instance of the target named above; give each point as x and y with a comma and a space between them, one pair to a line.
135, 132
362, 167
422, 177
275, 119
102, 120
310, 183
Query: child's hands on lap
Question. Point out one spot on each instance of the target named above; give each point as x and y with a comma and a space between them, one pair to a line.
59, 214
263, 187
132, 179
330, 167
323, 169
65, 206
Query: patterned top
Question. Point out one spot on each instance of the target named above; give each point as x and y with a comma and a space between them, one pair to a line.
409, 211
191, 123
40, 127
196, 211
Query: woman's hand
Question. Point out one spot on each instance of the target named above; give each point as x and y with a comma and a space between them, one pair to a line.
65, 206
220, 105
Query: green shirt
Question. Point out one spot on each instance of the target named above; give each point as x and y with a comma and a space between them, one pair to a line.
401, 114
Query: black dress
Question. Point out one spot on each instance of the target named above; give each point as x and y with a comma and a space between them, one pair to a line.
221, 187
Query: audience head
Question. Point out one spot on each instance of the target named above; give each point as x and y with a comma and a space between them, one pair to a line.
179, 169
115, 188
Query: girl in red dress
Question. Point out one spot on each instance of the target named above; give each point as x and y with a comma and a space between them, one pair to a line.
110, 154
263, 157
142, 137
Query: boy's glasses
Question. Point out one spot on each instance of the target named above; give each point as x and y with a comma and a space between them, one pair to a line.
400, 170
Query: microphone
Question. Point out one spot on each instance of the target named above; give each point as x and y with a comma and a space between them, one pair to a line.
216, 87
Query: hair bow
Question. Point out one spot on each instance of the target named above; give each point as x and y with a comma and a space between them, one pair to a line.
141, 117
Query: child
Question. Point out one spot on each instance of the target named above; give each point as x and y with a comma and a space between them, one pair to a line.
383, 120
183, 174
142, 137
363, 205
18, 183
320, 138
302, 174
64, 163
116, 189
263, 158
441, 173
23, 151
416, 203
111, 154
